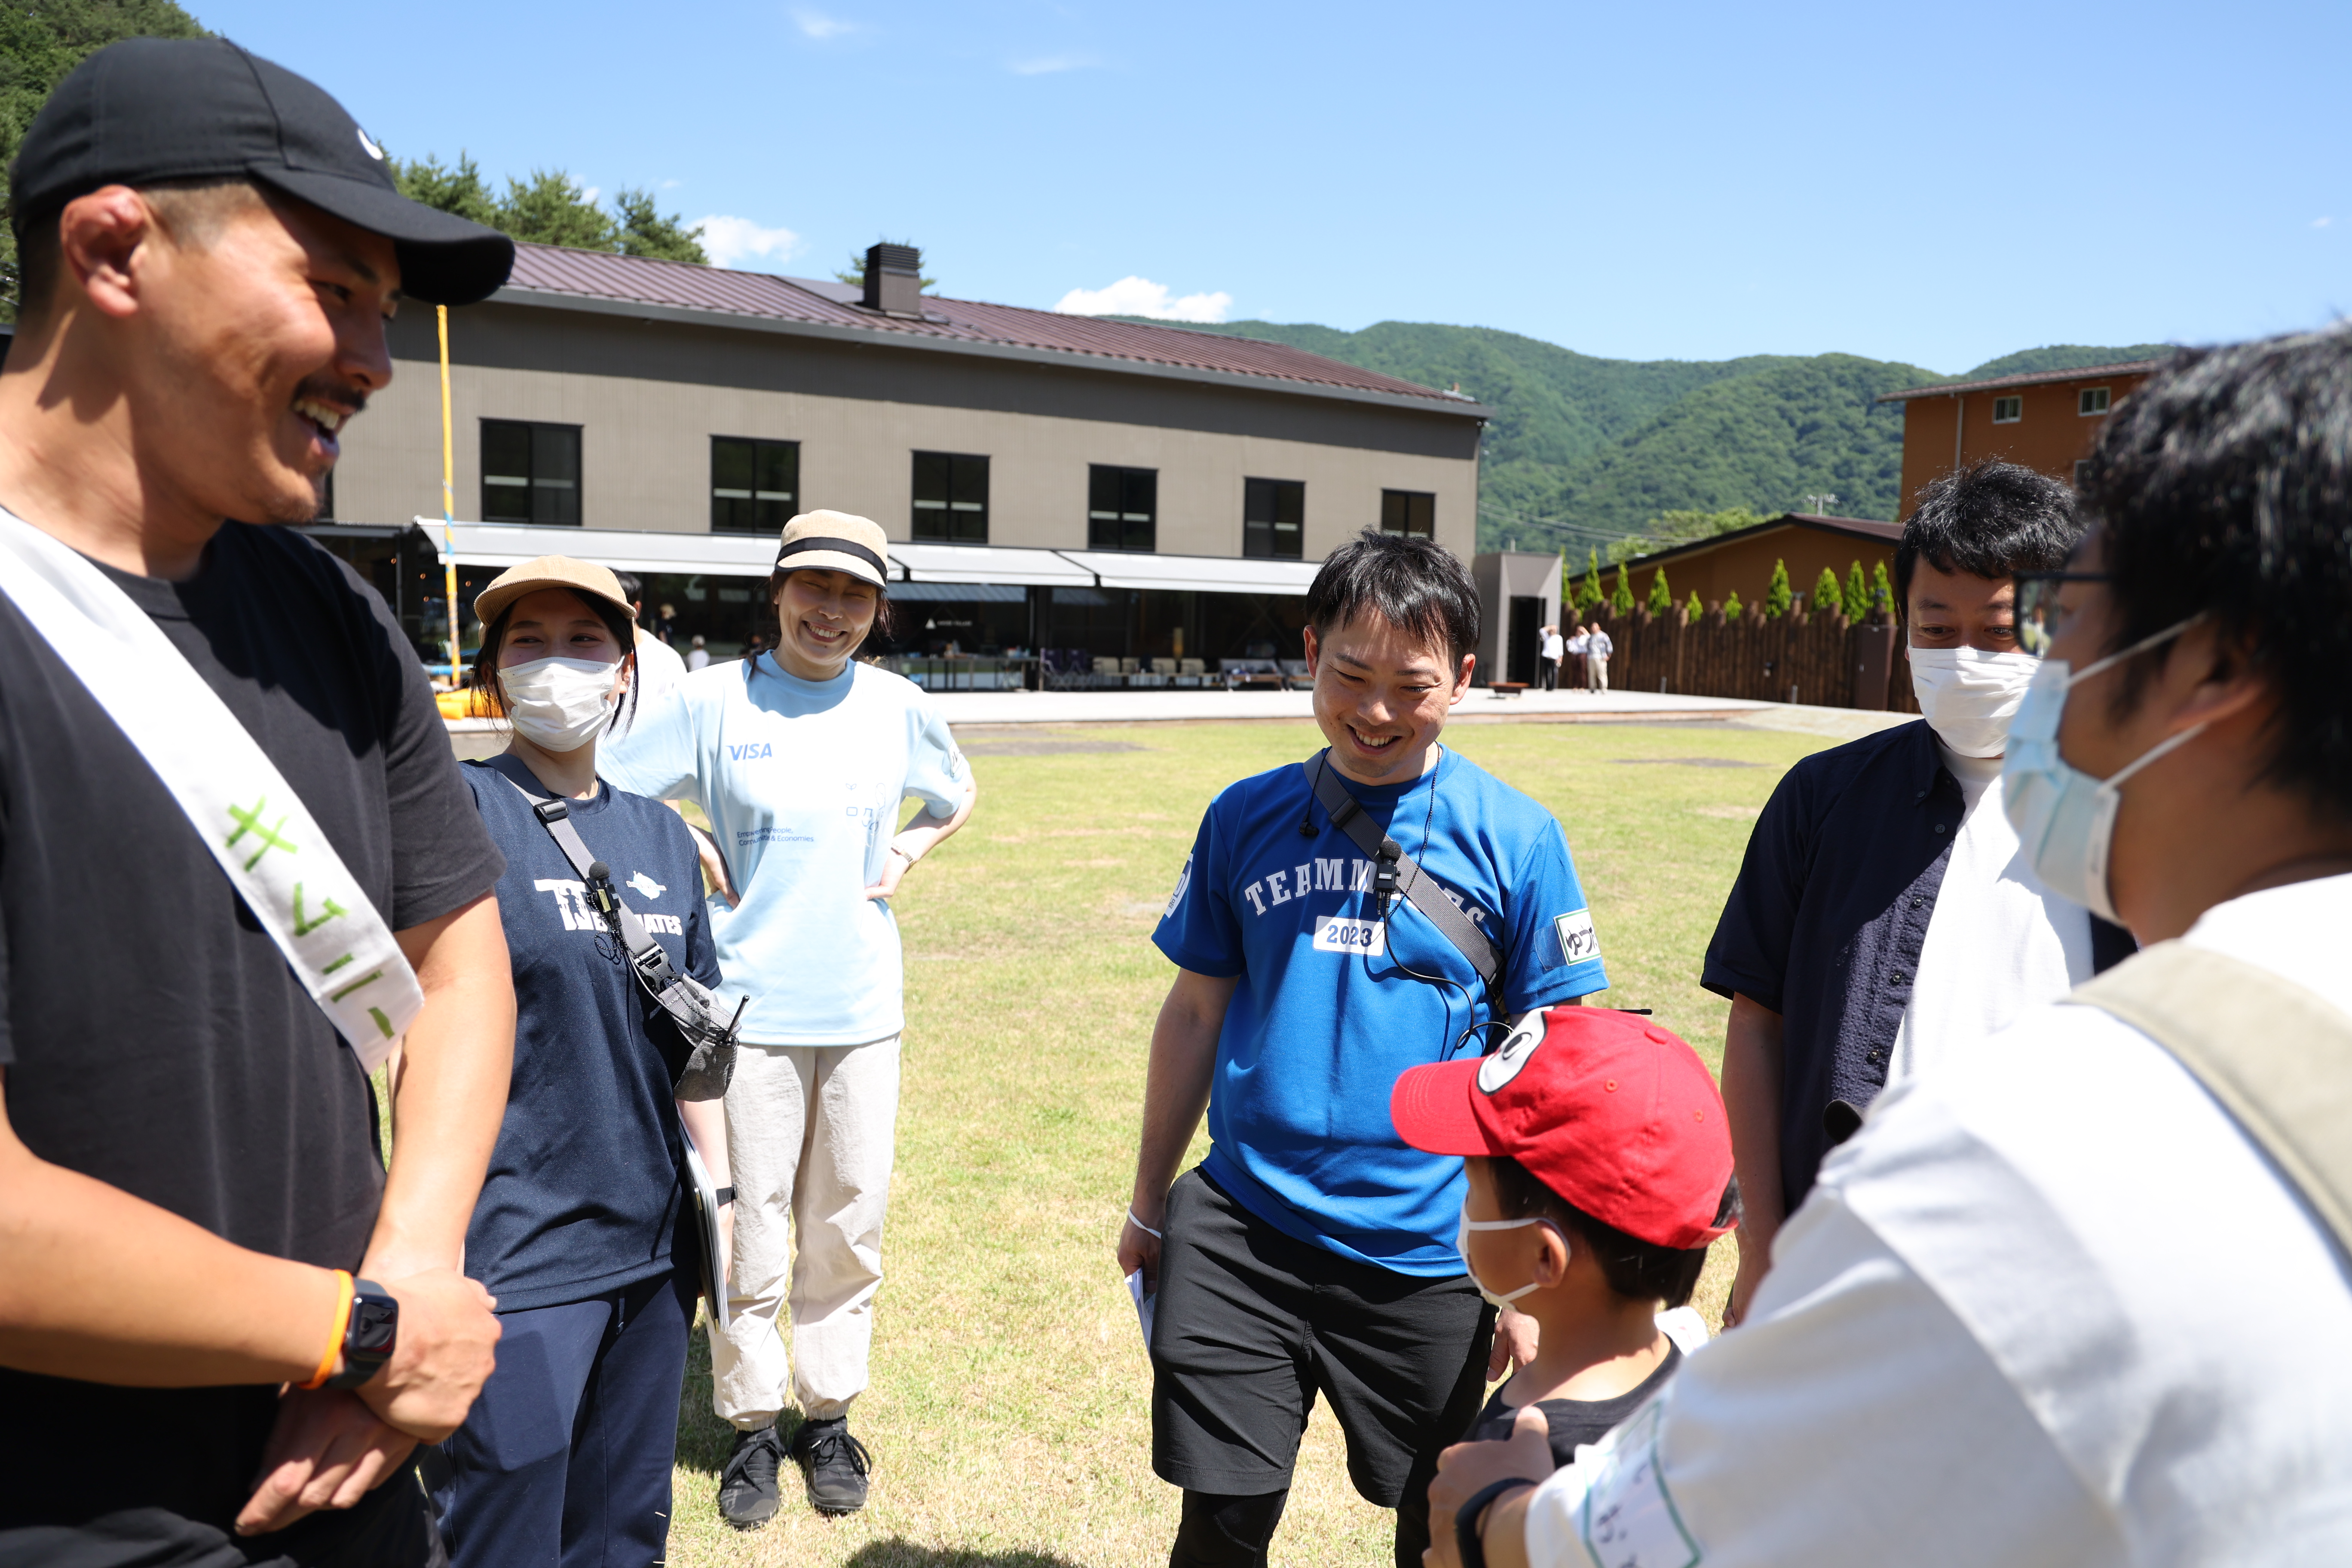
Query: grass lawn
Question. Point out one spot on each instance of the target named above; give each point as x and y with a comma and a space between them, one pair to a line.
1010, 1415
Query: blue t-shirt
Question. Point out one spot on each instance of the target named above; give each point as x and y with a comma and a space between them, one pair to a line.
583, 1192
804, 781
1325, 1018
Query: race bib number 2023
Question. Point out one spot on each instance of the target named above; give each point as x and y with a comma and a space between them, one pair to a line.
1343, 933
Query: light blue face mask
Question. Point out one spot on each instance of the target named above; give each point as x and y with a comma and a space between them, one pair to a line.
2065, 819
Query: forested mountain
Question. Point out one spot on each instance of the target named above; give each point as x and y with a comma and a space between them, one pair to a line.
1584, 450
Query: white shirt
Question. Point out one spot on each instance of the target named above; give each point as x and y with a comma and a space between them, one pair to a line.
659, 669
1580, 642
803, 781
698, 659
1602, 646
2049, 1307
1554, 645
1999, 942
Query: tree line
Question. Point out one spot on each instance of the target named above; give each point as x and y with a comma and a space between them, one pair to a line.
552, 208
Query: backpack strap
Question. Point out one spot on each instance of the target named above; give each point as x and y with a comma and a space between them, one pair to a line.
1396, 872
2276, 1056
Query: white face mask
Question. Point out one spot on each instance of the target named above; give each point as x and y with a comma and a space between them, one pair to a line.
1969, 696
559, 704
1462, 1246
2065, 819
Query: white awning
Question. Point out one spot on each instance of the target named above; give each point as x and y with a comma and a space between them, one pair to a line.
1202, 574
504, 544
986, 563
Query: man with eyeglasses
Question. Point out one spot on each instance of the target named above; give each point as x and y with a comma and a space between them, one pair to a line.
1883, 916
2074, 1298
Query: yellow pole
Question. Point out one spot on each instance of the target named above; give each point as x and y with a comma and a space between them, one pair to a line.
448, 496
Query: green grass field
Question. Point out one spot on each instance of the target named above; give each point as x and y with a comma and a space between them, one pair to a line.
1009, 1413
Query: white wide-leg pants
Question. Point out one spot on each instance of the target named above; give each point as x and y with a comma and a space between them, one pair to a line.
810, 1136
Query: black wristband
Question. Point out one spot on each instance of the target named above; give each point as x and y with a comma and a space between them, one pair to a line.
1473, 1551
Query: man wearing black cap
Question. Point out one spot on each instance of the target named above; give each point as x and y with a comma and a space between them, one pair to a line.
219, 1315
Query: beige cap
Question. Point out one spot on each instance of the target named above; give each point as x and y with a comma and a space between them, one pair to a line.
549, 572
835, 542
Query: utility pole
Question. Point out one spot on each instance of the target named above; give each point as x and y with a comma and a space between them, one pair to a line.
1820, 505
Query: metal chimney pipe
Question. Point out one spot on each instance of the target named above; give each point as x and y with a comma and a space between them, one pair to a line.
894, 280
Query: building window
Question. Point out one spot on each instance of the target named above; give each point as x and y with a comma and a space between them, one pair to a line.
1274, 518
1413, 513
2094, 400
2007, 410
1122, 508
530, 473
752, 484
2082, 471
951, 497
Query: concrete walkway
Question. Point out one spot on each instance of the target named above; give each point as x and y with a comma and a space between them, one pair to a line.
1164, 705
968, 709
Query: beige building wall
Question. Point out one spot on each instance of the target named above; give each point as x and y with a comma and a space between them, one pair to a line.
645, 460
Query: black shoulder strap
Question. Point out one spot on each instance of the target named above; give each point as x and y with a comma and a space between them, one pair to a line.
651, 962
1397, 872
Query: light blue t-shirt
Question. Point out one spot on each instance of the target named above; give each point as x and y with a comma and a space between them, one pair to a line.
1325, 1017
803, 780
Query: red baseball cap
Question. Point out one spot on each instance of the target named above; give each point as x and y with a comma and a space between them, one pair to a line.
1606, 1108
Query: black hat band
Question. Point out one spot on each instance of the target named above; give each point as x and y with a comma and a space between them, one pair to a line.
845, 546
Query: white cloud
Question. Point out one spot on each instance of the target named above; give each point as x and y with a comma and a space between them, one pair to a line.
1134, 296
816, 24
2321, 222
1047, 65
732, 241
592, 193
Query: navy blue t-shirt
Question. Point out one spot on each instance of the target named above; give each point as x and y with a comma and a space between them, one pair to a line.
584, 1191
1325, 1019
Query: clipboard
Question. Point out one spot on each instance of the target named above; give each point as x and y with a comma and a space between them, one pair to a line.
714, 1257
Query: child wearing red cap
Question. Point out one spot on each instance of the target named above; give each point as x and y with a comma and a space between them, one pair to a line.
1599, 1168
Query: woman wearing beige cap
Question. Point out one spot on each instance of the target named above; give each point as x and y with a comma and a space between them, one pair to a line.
802, 758
567, 1452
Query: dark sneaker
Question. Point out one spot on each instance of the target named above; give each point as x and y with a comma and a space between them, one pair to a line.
748, 1494
834, 1463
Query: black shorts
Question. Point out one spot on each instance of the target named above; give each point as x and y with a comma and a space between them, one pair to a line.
1251, 1323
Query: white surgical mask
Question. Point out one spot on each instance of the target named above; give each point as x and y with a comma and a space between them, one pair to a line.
558, 704
1969, 695
1462, 1246
2065, 819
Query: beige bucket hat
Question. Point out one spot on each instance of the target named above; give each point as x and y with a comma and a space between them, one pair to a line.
549, 572
835, 542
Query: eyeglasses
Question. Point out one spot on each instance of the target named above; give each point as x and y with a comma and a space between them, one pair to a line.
2039, 616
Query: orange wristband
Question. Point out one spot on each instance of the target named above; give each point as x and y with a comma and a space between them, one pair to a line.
335, 1340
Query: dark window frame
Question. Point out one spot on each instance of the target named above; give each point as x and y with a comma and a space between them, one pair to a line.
544, 493
2105, 396
2009, 410
949, 513
1398, 513
1263, 536
755, 507
1117, 520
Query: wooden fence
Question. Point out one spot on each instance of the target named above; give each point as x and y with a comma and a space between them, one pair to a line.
1822, 659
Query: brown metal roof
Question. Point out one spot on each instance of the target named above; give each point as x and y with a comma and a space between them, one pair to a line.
1869, 528
544, 269
2037, 378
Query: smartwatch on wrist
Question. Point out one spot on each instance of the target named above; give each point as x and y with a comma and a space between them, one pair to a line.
370, 1334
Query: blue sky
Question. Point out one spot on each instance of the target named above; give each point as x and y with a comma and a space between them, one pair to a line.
1936, 184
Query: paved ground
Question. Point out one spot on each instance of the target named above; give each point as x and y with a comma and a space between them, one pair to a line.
986, 710
1174, 704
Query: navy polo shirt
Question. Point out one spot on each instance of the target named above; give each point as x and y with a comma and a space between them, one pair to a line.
1827, 920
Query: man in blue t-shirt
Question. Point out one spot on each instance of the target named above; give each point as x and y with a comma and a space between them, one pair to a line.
1312, 1251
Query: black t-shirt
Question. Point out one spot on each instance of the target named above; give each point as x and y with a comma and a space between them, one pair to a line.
584, 1191
152, 1035
1572, 1422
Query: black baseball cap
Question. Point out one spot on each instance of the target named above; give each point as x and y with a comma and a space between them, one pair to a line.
149, 109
